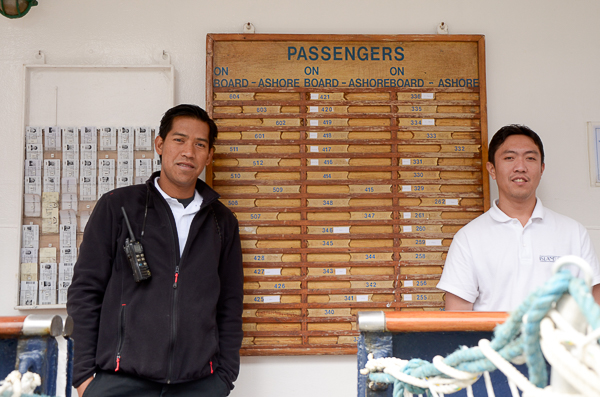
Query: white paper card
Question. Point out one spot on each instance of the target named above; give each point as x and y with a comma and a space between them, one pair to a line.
29, 255
62, 296
362, 298
408, 283
52, 168
407, 297
52, 141
428, 122
47, 297
32, 205
51, 184
314, 161
143, 138
406, 188
68, 218
106, 167
89, 135
71, 168
123, 181
143, 167
105, 185
341, 229
272, 299
272, 272
30, 236
340, 271
69, 185
313, 122
406, 215
33, 135
405, 161
33, 185
451, 201
48, 255
68, 255
28, 294
34, 151
68, 236
108, 138
125, 136
33, 168
314, 95
427, 95
433, 242
87, 188
407, 229
313, 135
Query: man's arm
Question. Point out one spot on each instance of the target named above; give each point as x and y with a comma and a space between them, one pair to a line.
230, 304
458, 276
454, 303
596, 293
91, 274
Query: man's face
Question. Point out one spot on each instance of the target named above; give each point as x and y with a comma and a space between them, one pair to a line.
185, 153
518, 169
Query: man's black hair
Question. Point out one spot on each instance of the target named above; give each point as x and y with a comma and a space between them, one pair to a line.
513, 129
185, 110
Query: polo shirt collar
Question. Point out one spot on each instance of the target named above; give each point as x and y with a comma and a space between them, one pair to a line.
499, 216
194, 206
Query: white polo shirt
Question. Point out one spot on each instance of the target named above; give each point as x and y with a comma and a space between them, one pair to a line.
495, 263
183, 215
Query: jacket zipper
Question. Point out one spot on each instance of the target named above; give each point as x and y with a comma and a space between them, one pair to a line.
120, 340
174, 307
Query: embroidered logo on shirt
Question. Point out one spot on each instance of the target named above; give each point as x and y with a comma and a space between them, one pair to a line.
548, 258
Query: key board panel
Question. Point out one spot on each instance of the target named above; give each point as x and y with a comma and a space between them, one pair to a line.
350, 162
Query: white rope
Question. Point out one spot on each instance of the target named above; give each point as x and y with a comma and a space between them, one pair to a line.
578, 375
507, 368
20, 385
488, 384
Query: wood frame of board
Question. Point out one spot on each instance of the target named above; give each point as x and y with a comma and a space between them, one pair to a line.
350, 162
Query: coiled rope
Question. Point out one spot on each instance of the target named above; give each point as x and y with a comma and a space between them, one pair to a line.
516, 340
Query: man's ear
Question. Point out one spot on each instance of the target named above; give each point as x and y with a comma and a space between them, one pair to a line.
492, 171
210, 156
158, 145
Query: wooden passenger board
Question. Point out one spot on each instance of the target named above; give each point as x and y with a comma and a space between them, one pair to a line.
350, 163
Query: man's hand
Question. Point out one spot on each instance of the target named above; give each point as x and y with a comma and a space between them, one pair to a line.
454, 303
84, 385
596, 293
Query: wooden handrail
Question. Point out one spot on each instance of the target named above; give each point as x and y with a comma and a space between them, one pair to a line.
443, 321
11, 326
34, 324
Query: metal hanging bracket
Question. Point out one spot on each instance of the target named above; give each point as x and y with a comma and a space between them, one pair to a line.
442, 28
248, 28
39, 58
164, 58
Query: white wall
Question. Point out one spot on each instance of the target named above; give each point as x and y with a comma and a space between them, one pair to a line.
542, 70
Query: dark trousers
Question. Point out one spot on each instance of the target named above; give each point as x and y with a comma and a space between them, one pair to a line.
111, 384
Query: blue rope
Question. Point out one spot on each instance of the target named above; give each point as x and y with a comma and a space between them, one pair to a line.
511, 339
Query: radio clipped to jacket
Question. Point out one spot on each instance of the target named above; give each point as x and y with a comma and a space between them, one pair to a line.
135, 254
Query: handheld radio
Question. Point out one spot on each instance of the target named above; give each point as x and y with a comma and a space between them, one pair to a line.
135, 254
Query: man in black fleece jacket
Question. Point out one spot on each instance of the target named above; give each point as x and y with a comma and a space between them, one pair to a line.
177, 333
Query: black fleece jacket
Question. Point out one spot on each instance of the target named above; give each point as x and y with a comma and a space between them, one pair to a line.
181, 324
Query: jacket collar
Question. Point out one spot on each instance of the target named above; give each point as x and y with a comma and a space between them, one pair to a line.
207, 193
